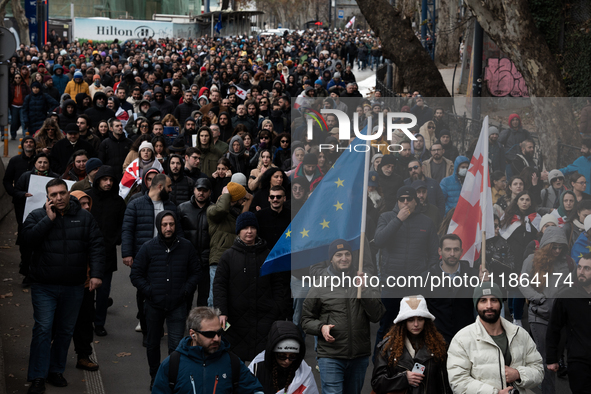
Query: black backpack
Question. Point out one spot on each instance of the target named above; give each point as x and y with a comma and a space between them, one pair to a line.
173, 370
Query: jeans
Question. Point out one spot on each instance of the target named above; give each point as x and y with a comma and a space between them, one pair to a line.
52, 302
102, 300
538, 331
342, 376
175, 324
16, 121
299, 293
212, 269
516, 303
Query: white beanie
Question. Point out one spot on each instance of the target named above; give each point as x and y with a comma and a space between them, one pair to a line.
413, 306
587, 223
548, 218
287, 346
239, 178
145, 145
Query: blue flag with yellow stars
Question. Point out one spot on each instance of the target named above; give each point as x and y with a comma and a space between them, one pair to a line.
332, 211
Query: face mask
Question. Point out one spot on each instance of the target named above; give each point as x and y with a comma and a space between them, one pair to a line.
135, 73
97, 83
146, 65
462, 171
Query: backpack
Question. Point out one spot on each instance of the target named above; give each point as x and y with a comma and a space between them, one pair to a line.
175, 360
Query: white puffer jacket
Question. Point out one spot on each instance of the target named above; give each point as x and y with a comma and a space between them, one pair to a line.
476, 365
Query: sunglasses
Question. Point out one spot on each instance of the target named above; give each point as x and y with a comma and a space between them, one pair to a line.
264, 138
557, 247
405, 199
211, 334
283, 357
431, 127
413, 168
284, 141
275, 197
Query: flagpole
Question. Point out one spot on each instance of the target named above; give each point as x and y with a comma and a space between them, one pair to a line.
364, 210
484, 193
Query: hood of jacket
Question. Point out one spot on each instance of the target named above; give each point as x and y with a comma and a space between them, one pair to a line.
513, 116
279, 331
202, 91
555, 235
203, 97
80, 194
231, 149
80, 99
158, 223
459, 160
65, 105
98, 95
102, 172
158, 89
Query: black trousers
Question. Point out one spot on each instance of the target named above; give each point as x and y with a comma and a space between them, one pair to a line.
579, 377
83, 331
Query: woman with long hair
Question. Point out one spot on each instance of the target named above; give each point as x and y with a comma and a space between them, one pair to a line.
578, 184
576, 225
76, 169
272, 177
220, 178
170, 121
257, 173
102, 130
543, 269
412, 339
283, 152
514, 187
160, 149
519, 226
281, 367
47, 136
533, 184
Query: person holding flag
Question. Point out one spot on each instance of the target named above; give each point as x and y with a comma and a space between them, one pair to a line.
132, 177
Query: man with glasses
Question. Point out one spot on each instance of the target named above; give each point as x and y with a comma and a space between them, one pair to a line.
434, 193
437, 167
408, 245
204, 360
165, 271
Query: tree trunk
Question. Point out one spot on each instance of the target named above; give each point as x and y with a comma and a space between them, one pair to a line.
400, 45
447, 48
3, 4
22, 22
510, 25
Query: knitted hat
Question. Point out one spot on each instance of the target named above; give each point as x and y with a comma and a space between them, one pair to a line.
413, 306
555, 174
203, 69
287, 346
79, 194
72, 129
78, 74
387, 159
318, 82
28, 137
336, 246
373, 179
93, 164
236, 191
336, 75
145, 145
487, 288
547, 218
246, 219
96, 77
492, 130
239, 178
310, 159
36, 85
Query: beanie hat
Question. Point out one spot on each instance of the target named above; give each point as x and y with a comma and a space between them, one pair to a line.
407, 191
548, 218
444, 132
28, 137
487, 288
318, 82
413, 306
587, 223
79, 194
387, 159
145, 145
492, 130
336, 246
36, 85
72, 129
203, 69
78, 74
246, 219
239, 178
337, 75
96, 77
287, 346
93, 164
236, 191
555, 174
310, 159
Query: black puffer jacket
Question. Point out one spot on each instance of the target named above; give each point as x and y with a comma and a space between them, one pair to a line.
409, 247
182, 185
138, 224
66, 119
62, 152
194, 223
108, 209
263, 370
97, 114
251, 302
386, 379
184, 110
113, 151
166, 272
65, 247
164, 106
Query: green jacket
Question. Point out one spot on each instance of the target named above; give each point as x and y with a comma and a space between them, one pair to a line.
221, 218
351, 317
209, 160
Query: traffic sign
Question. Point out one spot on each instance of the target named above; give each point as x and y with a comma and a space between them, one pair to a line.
341, 14
7, 44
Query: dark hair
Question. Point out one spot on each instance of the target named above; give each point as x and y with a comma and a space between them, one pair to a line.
513, 209
40, 155
587, 143
80, 152
55, 182
85, 117
497, 176
514, 177
572, 178
158, 180
453, 237
586, 256
189, 152
224, 161
278, 188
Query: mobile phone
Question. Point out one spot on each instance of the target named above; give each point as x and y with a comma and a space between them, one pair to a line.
418, 368
50, 203
226, 326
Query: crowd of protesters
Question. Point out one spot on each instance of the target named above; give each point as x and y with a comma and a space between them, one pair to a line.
190, 156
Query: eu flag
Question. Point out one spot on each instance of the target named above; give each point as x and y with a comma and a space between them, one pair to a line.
218, 26
332, 211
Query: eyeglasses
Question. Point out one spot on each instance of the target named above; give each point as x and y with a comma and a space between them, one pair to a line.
283, 357
144, 126
430, 127
557, 247
413, 168
405, 199
275, 197
582, 182
211, 334
264, 138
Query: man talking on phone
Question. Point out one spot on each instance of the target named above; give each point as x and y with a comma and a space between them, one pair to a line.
65, 240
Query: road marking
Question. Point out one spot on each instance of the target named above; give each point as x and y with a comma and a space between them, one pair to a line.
94, 379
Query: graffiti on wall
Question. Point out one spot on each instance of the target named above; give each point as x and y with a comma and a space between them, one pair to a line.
503, 79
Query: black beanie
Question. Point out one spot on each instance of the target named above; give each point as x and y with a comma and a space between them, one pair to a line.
387, 159
336, 246
246, 219
310, 159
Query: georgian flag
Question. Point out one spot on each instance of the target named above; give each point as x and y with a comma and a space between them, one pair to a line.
131, 176
303, 382
123, 116
474, 211
533, 219
560, 219
240, 92
350, 23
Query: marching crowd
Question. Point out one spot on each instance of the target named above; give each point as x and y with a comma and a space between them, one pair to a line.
189, 156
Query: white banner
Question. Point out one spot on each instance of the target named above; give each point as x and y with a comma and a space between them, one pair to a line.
105, 29
39, 195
